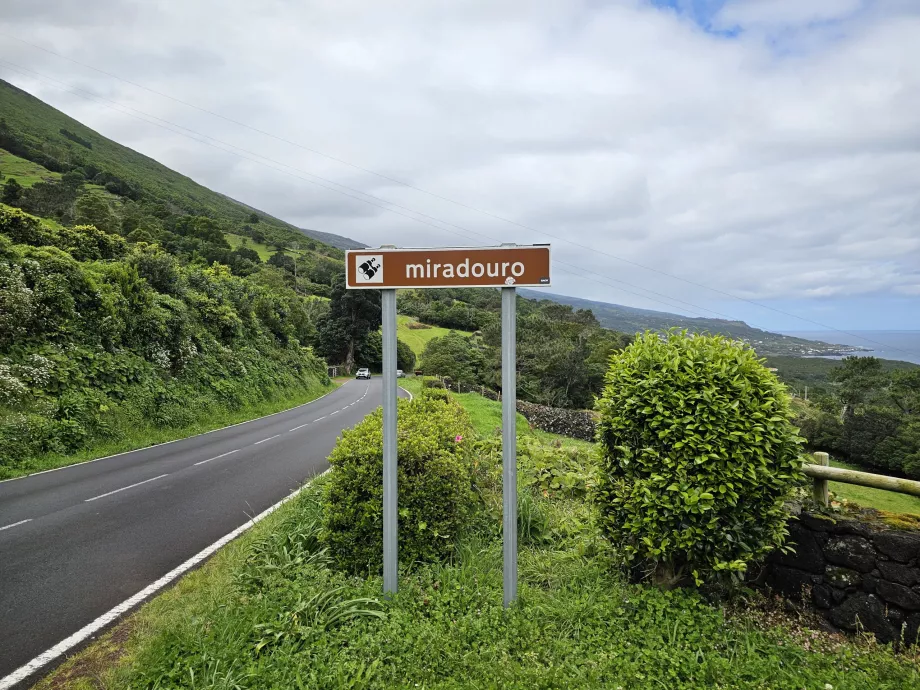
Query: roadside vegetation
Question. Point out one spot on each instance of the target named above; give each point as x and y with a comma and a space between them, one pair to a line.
297, 602
107, 345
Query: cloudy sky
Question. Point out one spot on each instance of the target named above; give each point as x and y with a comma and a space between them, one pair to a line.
761, 157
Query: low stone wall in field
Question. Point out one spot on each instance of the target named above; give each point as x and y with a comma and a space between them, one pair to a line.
857, 575
579, 424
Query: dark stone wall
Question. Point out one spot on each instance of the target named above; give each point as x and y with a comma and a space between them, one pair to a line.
858, 576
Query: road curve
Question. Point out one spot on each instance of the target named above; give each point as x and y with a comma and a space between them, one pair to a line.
76, 542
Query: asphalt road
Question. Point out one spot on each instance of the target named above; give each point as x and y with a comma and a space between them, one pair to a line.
78, 541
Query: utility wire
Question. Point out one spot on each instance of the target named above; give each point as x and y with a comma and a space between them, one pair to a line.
377, 201
435, 195
272, 164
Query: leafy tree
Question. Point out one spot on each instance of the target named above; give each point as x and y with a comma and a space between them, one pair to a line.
869, 417
281, 260
248, 254
204, 228
699, 456
50, 199
319, 269
859, 377
12, 192
370, 353
452, 355
253, 218
74, 178
405, 357
352, 315
91, 209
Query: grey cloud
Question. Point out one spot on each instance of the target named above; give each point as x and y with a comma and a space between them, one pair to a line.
618, 126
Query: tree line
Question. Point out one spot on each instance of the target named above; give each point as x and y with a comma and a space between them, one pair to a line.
869, 415
563, 352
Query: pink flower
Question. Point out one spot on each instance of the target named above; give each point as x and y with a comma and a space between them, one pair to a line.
458, 439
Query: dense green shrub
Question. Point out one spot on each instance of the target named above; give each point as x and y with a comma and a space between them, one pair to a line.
429, 393
453, 355
99, 345
698, 457
555, 470
435, 486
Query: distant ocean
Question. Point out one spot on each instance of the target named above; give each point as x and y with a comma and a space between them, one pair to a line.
902, 345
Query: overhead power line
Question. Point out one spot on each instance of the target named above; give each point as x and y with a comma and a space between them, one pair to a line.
385, 204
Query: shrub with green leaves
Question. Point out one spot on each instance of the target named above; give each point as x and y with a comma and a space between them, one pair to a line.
435, 486
698, 457
436, 394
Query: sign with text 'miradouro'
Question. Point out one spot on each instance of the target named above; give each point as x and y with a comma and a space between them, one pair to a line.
509, 266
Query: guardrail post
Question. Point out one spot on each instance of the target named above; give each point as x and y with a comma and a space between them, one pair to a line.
820, 485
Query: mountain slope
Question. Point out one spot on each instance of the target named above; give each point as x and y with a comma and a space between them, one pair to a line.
336, 241
632, 320
59, 143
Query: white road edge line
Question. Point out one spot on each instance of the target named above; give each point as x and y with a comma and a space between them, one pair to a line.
222, 455
166, 443
105, 619
16, 524
131, 486
266, 439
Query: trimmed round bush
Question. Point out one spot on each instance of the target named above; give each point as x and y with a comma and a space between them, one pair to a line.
436, 394
699, 456
434, 479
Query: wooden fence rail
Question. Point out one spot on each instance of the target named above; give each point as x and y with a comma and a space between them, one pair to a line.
821, 474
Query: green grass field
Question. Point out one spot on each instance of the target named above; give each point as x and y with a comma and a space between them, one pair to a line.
26, 172
873, 498
263, 250
417, 338
486, 416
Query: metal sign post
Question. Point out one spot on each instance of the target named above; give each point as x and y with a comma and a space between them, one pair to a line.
509, 444
390, 526
507, 267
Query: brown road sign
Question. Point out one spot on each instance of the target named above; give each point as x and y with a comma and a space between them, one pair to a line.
512, 266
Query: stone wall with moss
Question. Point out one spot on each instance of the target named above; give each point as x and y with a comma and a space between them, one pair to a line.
859, 574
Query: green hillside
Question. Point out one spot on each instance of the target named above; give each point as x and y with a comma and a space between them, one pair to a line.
25, 172
417, 335
136, 305
35, 131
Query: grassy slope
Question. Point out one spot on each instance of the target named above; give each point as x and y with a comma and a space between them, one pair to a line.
263, 250
486, 416
418, 338
27, 114
873, 498
578, 624
26, 172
